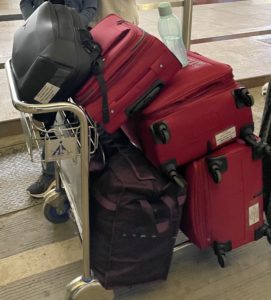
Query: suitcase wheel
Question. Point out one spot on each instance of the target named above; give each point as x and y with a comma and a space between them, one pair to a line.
243, 97
220, 249
216, 174
161, 133
217, 166
221, 260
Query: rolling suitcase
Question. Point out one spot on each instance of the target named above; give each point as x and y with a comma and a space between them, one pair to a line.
201, 109
136, 66
52, 54
224, 207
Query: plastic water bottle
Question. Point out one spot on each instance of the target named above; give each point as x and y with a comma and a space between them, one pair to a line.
169, 28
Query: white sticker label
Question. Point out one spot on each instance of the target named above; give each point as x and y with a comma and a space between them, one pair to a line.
46, 94
59, 149
254, 214
225, 136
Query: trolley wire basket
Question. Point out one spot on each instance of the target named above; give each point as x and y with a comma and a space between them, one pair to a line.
60, 141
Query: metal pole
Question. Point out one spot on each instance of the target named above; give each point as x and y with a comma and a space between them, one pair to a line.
187, 22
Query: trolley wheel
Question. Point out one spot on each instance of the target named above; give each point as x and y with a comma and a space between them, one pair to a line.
56, 215
221, 260
80, 290
56, 207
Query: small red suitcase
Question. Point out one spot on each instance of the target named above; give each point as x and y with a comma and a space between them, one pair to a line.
201, 109
136, 66
224, 207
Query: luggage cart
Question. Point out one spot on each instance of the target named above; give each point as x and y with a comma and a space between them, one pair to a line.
69, 144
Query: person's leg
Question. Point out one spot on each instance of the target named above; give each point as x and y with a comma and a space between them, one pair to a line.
45, 182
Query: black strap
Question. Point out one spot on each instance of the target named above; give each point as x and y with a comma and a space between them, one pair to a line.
97, 70
266, 118
94, 51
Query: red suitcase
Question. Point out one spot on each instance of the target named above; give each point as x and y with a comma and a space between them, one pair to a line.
224, 207
200, 110
136, 66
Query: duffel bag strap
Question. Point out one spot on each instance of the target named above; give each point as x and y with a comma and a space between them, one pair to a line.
161, 227
173, 206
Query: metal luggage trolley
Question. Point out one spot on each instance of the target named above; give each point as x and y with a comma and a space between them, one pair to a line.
70, 144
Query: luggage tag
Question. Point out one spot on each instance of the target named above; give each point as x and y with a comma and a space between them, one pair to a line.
47, 93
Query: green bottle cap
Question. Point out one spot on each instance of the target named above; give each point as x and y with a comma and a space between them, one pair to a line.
164, 9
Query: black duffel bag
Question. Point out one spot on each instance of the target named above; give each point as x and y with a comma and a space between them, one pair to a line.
135, 219
52, 55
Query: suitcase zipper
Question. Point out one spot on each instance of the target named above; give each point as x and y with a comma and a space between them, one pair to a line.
192, 92
224, 85
120, 22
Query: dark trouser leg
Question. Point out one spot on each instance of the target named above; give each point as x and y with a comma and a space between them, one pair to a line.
48, 168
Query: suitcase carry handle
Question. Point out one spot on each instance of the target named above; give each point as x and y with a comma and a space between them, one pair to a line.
146, 99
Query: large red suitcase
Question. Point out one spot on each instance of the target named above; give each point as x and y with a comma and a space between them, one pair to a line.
136, 66
224, 207
200, 110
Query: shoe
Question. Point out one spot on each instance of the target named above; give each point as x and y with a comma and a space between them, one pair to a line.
42, 186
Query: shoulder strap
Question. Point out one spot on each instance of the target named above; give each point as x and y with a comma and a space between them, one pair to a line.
94, 51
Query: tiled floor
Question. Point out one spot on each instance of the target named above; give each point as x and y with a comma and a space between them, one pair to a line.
7, 112
37, 258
